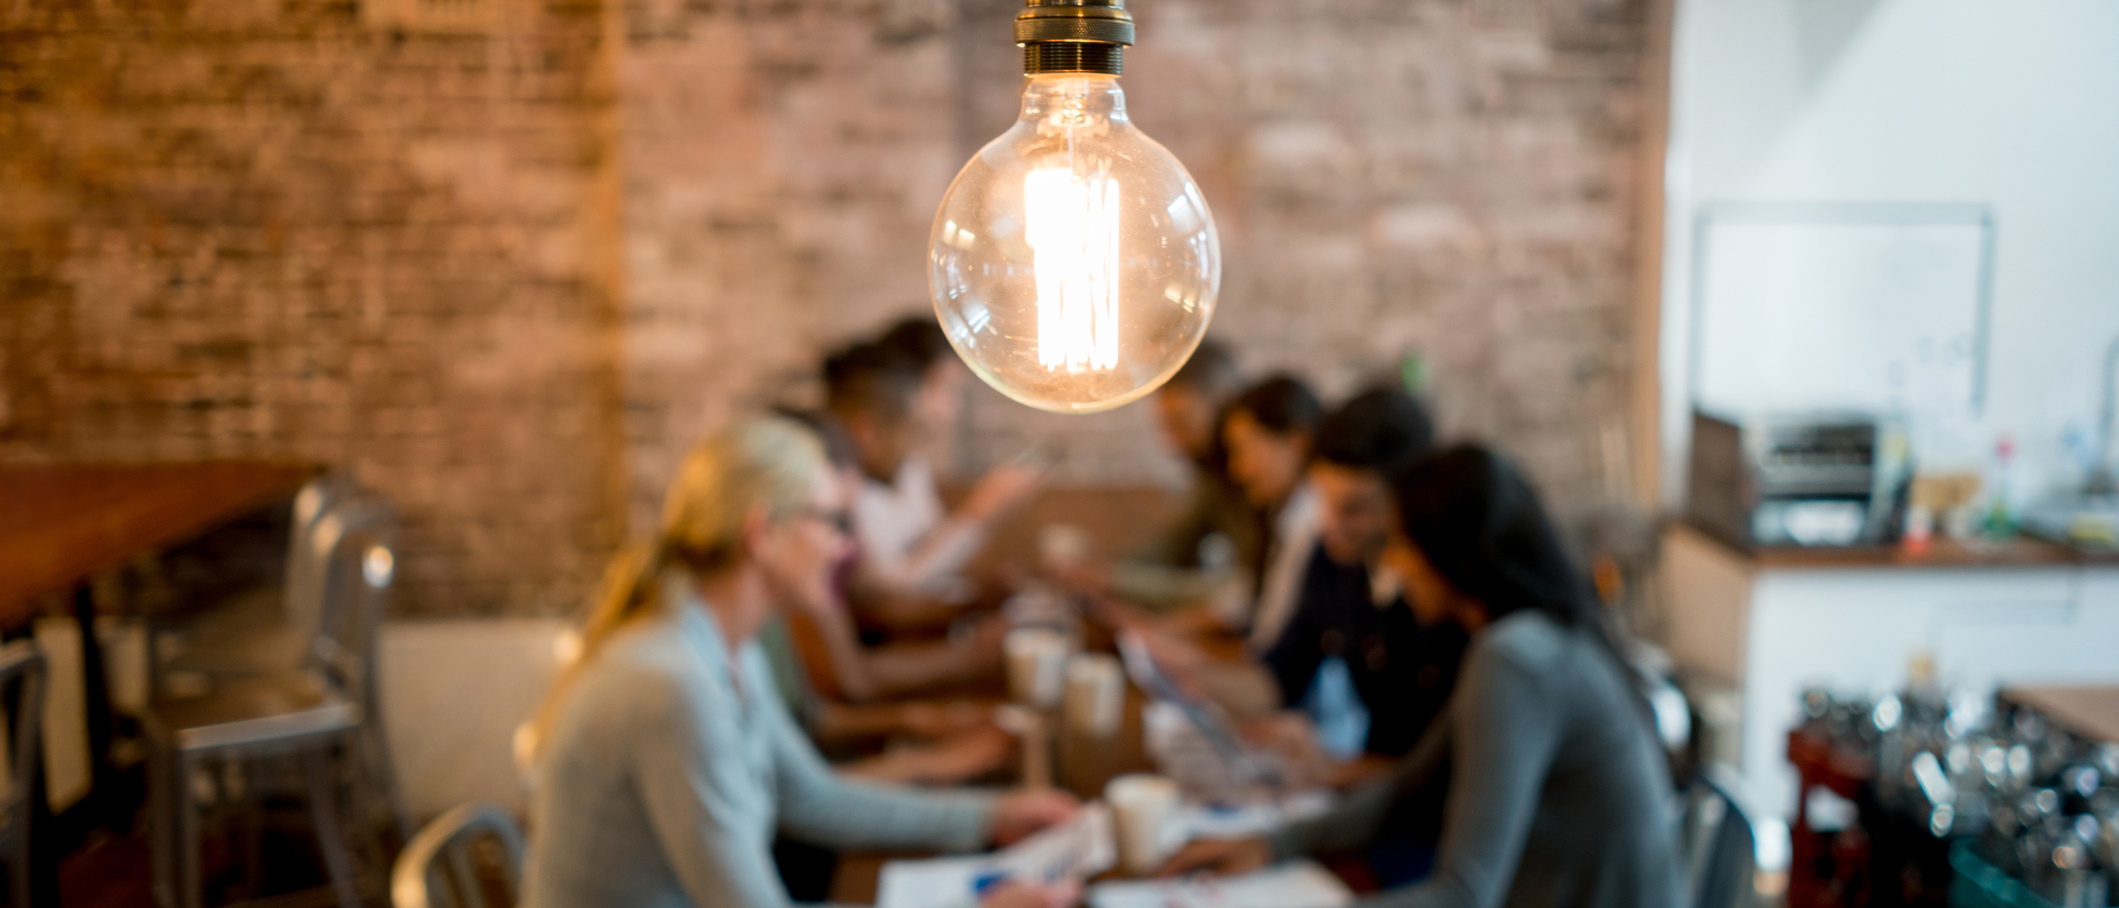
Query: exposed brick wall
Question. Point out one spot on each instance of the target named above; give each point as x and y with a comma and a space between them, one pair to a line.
510, 278
783, 162
246, 229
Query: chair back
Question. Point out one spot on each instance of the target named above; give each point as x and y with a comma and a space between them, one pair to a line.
469, 857
354, 544
303, 604
22, 697
1720, 848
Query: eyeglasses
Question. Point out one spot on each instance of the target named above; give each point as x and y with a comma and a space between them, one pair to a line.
837, 518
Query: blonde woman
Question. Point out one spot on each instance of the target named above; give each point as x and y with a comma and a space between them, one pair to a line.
667, 762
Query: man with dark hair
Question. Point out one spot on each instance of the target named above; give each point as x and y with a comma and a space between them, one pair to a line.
917, 340
1189, 405
871, 394
912, 549
1349, 610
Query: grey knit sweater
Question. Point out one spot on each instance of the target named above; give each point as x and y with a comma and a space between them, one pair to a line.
1559, 796
671, 766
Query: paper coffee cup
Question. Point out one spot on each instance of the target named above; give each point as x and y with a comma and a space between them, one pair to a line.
1096, 694
1037, 665
1141, 806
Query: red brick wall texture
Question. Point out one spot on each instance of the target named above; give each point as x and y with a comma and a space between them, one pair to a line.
507, 275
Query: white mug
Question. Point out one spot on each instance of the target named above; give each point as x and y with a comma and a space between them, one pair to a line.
1141, 806
1096, 694
1037, 665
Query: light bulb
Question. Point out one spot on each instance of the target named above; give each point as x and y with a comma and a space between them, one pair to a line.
1073, 262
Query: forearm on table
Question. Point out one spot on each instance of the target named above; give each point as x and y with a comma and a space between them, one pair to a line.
860, 814
905, 668
841, 722
818, 805
1161, 588
944, 551
890, 605
832, 656
1357, 819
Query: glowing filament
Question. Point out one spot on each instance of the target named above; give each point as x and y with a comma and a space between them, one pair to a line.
1072, 225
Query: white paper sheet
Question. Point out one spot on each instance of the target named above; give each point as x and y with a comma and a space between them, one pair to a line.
1076, 850
1296, 884
1200, 821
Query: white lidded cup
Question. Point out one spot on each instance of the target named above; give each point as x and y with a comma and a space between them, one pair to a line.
1096, 694
1141, 807
1037, 665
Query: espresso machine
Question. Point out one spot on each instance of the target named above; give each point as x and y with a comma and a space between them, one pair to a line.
1807, 479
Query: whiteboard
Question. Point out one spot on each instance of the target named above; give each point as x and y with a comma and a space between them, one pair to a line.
1874, 308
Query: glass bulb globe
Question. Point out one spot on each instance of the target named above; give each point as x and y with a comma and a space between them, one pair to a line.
1073, 263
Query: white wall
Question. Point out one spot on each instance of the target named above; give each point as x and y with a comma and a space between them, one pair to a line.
453, 694
2010, 103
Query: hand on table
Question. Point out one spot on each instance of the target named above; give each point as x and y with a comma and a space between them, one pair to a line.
1221, 857
1018, 814
1027, 895
1291, 736
934, 719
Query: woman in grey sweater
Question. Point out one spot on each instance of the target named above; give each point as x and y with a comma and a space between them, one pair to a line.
1559, 795
665, 759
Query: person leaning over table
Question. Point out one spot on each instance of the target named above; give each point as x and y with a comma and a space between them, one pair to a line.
1559, 795
914, 550
665, 759
1176, 568
1394, 671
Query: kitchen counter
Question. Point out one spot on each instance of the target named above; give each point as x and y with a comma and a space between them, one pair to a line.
1940, 553
1764, 624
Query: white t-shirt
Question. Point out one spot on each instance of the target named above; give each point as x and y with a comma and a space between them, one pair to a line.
908, 542
1287, 556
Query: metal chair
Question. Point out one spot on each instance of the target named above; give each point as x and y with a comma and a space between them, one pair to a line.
22, 693
303, 603
1720, 849
314, 715
439, 867
266, 630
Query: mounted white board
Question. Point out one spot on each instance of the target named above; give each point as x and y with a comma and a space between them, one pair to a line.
1875, 308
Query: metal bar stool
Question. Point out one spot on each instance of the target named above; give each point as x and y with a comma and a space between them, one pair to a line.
22, 696
315, 715
440, 867
267, 630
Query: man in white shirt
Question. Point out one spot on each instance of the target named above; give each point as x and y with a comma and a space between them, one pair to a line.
912, 549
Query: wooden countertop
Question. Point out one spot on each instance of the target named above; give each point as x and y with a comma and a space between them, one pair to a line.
2091, 712
2020, 551
60, 523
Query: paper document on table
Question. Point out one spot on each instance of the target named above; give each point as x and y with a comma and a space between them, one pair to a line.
1232, 821
1296, 884
1075, 850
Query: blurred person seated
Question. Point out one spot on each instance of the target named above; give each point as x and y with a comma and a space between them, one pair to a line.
912, 550
665, 759
1268, 430
829, 681
1353, 637
1558, 793
1195, 556
918, 341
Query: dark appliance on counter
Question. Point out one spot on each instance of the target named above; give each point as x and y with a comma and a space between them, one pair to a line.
1813, 479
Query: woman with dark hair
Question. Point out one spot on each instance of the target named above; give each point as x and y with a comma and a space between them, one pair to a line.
1558, 792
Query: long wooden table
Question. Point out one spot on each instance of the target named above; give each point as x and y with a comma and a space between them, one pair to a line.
62, 523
